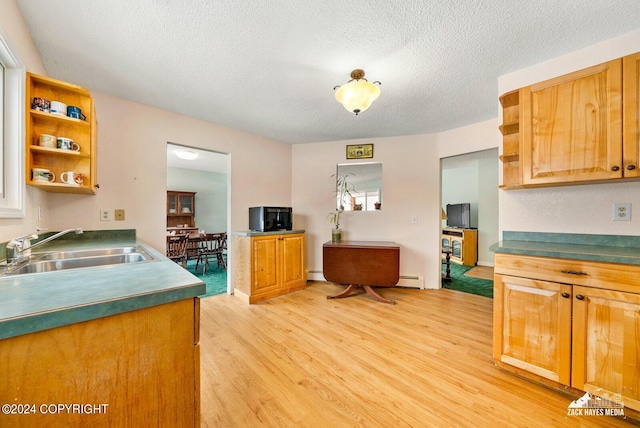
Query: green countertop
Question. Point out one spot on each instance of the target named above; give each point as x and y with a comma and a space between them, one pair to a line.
602, 248
36, 302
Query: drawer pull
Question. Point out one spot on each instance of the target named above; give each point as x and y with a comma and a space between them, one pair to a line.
566, 295
573, 272
579, 297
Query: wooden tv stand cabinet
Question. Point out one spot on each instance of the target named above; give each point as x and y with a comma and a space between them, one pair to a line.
463, 245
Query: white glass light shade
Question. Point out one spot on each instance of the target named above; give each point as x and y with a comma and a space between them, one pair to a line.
186, 154
357, 95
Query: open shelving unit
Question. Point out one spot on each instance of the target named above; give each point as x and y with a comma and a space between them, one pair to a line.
82, 132
510, 129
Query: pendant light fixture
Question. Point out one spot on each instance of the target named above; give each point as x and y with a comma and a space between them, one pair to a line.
357, 94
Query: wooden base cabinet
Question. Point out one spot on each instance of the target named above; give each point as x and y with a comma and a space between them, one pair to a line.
532, 326
269, 266
135, 369
463, 244
573, 322
606, 339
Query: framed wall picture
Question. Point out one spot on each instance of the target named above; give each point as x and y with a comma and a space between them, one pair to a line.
362, 151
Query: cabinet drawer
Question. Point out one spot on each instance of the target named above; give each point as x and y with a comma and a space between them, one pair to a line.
612, 276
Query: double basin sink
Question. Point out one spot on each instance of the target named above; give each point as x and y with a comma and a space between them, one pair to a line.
63, 260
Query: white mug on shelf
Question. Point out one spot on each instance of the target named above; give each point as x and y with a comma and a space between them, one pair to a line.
73, 178
58, 108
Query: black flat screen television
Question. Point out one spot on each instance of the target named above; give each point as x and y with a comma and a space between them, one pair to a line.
459, 215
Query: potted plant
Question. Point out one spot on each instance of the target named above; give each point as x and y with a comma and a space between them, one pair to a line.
343, 189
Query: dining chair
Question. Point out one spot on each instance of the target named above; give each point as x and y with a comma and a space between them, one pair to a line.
213, 245
177, 249
195, 244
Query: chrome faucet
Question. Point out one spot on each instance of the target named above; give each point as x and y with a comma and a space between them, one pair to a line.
19, 249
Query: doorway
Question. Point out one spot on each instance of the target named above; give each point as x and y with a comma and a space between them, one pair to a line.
472, 178
205, 174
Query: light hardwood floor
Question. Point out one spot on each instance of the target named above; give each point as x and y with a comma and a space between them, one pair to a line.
301, 360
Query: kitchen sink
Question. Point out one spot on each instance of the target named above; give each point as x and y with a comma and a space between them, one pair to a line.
58, 255
63, 260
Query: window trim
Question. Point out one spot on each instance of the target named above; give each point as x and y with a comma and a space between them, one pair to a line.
13, 194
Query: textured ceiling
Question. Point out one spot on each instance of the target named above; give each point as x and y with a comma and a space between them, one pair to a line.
269, 67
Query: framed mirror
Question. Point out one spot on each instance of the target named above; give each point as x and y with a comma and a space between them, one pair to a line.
364, 182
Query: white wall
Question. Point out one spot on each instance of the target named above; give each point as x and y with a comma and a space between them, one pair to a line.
411, 187
132, 173
572, 209
132, 170
488, 217
210, 199
14, 29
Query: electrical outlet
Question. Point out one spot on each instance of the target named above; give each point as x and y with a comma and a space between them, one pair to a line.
621, 211
119, 215
106, 214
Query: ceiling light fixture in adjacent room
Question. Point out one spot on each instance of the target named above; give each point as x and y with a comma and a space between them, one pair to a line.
187, 154
358, 94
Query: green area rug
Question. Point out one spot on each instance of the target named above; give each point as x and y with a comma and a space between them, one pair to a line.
461, 282
215, 278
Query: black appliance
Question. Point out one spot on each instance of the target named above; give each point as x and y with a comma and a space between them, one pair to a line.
459, 215
268, 219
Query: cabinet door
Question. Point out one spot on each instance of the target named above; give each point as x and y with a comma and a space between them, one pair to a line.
606, 344
446, 245
265, 264
532, 326
186, 203
456, 249
572, 127
172, 203
631, 109
292, 259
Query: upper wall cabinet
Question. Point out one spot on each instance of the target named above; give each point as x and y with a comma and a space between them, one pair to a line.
55, 142
571, 127
631, 133
569, 130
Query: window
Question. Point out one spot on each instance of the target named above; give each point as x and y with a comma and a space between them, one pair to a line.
12, 135
2, 77
365, 199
